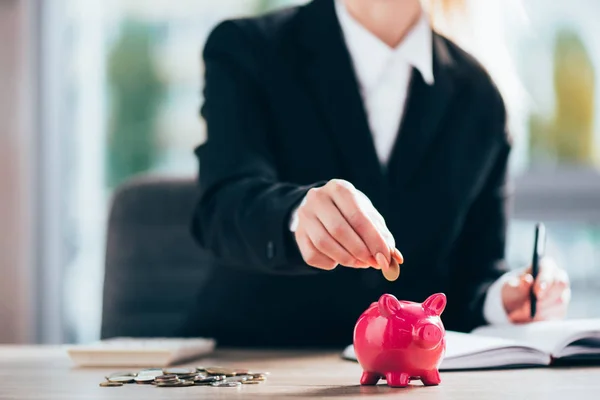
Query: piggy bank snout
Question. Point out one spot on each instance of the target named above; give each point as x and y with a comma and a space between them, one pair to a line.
428, 336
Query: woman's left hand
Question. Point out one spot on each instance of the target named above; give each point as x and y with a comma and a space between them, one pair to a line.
551, 288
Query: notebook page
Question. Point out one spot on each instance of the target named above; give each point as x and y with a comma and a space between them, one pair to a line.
463, 344
470, 351
548, 336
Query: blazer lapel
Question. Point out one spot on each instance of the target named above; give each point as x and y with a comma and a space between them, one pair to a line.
332, 83
426, 107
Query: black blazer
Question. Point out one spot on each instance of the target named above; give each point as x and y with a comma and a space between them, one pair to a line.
284, 114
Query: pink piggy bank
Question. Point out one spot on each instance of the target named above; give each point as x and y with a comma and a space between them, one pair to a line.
401, 340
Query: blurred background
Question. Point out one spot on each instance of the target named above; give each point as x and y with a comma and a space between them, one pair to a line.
94, 92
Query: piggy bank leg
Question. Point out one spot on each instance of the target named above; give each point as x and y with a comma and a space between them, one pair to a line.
369, 378
397, 379
431, 378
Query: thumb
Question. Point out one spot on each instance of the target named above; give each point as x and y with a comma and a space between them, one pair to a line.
516, 291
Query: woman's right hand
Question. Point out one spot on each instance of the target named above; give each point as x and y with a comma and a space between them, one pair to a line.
338, 225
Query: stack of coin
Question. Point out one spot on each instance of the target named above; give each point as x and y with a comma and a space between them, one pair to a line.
167, 380
182, 377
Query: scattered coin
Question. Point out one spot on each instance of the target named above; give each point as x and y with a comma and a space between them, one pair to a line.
121, 379
184, 377
220, 371
393, 272
110, 384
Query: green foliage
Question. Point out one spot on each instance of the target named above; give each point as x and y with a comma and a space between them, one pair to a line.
267, 5
569, 136
136, 91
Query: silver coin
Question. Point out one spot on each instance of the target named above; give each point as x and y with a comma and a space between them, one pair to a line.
121, 373
150, 372
121, 379
207, 380
144, 379
226, 384
238, 378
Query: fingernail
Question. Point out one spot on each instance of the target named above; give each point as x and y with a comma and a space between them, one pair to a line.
399, 257
381, 261
528, 279
543, 286
514, 282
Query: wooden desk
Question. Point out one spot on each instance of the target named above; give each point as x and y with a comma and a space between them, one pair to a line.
47, 373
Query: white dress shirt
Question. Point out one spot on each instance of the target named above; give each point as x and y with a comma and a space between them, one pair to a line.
383, 74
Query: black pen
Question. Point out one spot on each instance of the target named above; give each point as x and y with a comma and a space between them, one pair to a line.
538, 253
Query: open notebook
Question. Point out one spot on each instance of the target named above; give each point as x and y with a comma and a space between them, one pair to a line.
536, 344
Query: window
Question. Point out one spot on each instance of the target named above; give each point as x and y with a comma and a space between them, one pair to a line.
134, 80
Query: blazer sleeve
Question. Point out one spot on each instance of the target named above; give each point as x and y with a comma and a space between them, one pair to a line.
478, 259
243, 211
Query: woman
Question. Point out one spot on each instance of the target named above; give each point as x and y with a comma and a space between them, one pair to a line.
342, 134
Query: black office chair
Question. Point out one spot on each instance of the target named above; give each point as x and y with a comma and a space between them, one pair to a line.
154, 270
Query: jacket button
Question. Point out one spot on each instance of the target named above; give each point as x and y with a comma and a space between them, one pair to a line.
270, 250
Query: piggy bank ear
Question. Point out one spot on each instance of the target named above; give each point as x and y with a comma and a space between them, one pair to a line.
388, 305
435, 304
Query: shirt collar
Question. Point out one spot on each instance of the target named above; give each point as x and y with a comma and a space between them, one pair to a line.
370, 55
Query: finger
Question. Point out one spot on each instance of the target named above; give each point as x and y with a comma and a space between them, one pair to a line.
560, 282
384, 231
364, 226
553, 293
311, 255
559, 296
326, 244
549, 272
337, 226
521, 285
522, 313
398, 256
558, 311
516, 292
